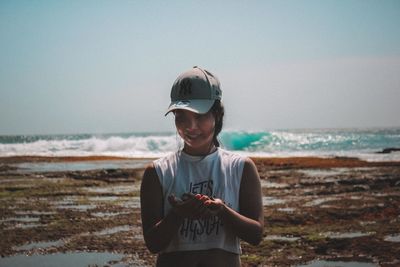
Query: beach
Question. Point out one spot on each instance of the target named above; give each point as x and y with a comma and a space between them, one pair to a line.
318, 211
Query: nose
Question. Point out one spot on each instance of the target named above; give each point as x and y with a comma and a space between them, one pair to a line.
191, 124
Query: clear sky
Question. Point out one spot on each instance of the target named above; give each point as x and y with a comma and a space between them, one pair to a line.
108, 66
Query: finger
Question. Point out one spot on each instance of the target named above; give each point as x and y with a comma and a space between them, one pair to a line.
187, 208
204, 198
187, 196
192, 207
173, 200
194, 204
208, 202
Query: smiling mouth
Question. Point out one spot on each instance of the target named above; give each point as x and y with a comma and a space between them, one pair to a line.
192, 136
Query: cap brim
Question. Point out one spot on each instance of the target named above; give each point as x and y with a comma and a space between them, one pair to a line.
200, 106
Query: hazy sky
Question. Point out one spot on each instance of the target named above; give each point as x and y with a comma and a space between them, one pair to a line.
108, 66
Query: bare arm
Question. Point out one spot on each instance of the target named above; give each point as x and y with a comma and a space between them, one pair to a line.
158, 230
248, 223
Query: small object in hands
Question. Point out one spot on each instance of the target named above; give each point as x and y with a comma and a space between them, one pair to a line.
187, 196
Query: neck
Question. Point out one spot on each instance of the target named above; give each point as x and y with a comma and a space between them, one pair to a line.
203, 151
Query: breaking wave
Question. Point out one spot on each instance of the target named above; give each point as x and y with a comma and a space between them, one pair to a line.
362, 143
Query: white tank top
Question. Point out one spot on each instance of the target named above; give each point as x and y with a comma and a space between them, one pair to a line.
217, 175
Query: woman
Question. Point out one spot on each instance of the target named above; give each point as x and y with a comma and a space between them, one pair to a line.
199, 201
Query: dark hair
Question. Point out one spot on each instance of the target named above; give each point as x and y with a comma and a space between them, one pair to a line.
218, 111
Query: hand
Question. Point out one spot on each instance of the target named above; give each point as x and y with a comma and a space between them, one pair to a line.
214, 205
188, 207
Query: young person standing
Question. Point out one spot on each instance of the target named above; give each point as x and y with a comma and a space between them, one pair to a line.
198, 202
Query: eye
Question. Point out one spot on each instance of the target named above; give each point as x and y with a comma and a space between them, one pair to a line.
179, 117
200, 116
205, 116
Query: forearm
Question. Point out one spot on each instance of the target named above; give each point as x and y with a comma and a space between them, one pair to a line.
247, 229
160, 235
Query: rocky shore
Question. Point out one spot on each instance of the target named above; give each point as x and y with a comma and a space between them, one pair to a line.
316, 211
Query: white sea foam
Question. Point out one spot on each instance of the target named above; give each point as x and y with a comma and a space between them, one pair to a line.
363, 155
357, 143
134, 146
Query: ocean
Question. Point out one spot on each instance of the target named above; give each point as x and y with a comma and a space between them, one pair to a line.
361, 143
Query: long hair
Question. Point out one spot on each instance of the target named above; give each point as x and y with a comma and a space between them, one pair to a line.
218, 111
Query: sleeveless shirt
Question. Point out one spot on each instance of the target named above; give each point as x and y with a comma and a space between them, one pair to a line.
217, 175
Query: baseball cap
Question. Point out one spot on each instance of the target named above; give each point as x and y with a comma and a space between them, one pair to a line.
195, 90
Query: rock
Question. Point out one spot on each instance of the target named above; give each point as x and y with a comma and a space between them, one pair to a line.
5, 168
388, 150
361, 187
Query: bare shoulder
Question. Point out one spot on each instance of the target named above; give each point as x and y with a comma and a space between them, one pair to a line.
250, 182
250, 169
150, 169
150, 177
249, 161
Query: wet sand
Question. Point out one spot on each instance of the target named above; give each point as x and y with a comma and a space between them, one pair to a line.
341, 209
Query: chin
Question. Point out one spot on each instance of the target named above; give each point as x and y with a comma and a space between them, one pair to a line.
194, 145
198, 145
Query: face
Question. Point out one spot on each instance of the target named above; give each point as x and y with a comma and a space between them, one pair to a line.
197, 130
